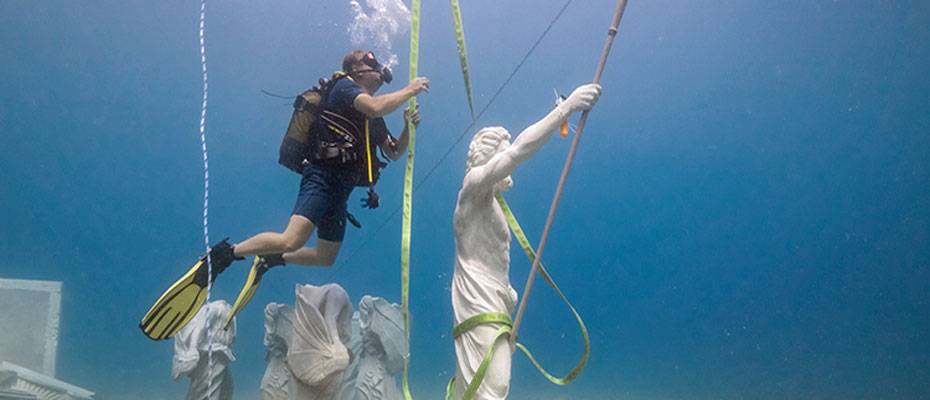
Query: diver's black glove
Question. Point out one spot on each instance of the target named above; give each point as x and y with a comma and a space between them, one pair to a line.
373, 201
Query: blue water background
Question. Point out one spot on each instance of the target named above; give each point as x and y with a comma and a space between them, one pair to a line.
747, 218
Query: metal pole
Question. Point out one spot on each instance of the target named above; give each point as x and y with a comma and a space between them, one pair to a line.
611, 34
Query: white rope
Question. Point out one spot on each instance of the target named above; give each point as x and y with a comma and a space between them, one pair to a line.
206, 193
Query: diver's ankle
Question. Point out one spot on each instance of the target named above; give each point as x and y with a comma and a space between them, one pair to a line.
274, 260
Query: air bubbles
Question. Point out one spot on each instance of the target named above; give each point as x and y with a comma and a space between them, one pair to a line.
376, 24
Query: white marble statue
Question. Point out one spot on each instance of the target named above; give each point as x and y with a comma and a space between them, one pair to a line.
350, 375
381, 327
481, 281
279, 330
317, 355
191, 345
374, 345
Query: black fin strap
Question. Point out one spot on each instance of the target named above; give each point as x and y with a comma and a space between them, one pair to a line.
352, 220
273, 260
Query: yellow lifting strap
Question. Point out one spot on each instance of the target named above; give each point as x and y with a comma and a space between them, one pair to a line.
408, 194
371, 179
507, 324
463, 55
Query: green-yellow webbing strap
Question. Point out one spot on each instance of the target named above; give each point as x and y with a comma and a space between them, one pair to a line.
503, 331
481, 319
408, 193
463, 55
507, 324
528, 249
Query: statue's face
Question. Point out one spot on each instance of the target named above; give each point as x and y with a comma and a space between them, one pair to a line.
480, 151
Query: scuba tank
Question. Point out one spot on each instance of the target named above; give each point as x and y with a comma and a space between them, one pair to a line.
298, 142
320, 136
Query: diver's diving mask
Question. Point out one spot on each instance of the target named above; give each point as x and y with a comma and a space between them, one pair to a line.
385, 72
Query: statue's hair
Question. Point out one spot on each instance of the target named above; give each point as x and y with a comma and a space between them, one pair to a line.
485, 144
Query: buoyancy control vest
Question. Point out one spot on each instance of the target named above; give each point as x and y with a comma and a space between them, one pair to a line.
321, 136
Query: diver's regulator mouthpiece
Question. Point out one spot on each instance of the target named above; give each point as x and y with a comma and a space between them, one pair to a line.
386, 75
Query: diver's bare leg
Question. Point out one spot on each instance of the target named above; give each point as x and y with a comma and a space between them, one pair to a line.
294, 237
324, 254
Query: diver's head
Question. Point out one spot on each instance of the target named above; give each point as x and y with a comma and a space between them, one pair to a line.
365, 69
484, 145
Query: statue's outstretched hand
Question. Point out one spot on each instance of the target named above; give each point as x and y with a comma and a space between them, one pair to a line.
583, 98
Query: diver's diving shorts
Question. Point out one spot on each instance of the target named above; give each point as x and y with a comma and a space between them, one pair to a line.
324, 192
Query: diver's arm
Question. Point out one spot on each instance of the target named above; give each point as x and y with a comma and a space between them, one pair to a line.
379, 106
396, 148
375, 107
393, 149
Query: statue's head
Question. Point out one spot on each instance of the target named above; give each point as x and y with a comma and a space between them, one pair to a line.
484, 145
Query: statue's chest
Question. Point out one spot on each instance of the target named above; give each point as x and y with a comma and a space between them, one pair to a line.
495, 226
485, 226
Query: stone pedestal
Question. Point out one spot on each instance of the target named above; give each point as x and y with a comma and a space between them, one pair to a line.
15, 395
29, 313
19, 381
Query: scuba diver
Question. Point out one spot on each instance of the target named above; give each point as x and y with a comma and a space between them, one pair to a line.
331, 141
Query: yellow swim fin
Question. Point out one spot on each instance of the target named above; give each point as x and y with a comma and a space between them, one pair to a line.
177, 305
260, 265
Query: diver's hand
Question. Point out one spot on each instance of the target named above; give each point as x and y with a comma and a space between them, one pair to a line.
420, 84
583, 98
412, 116
372, 201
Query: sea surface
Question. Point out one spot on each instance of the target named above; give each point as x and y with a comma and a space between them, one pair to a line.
748, 215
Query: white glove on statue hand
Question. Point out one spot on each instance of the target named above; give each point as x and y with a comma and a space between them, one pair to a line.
583, 98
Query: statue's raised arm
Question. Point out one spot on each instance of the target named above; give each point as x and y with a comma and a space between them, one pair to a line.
491, 157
